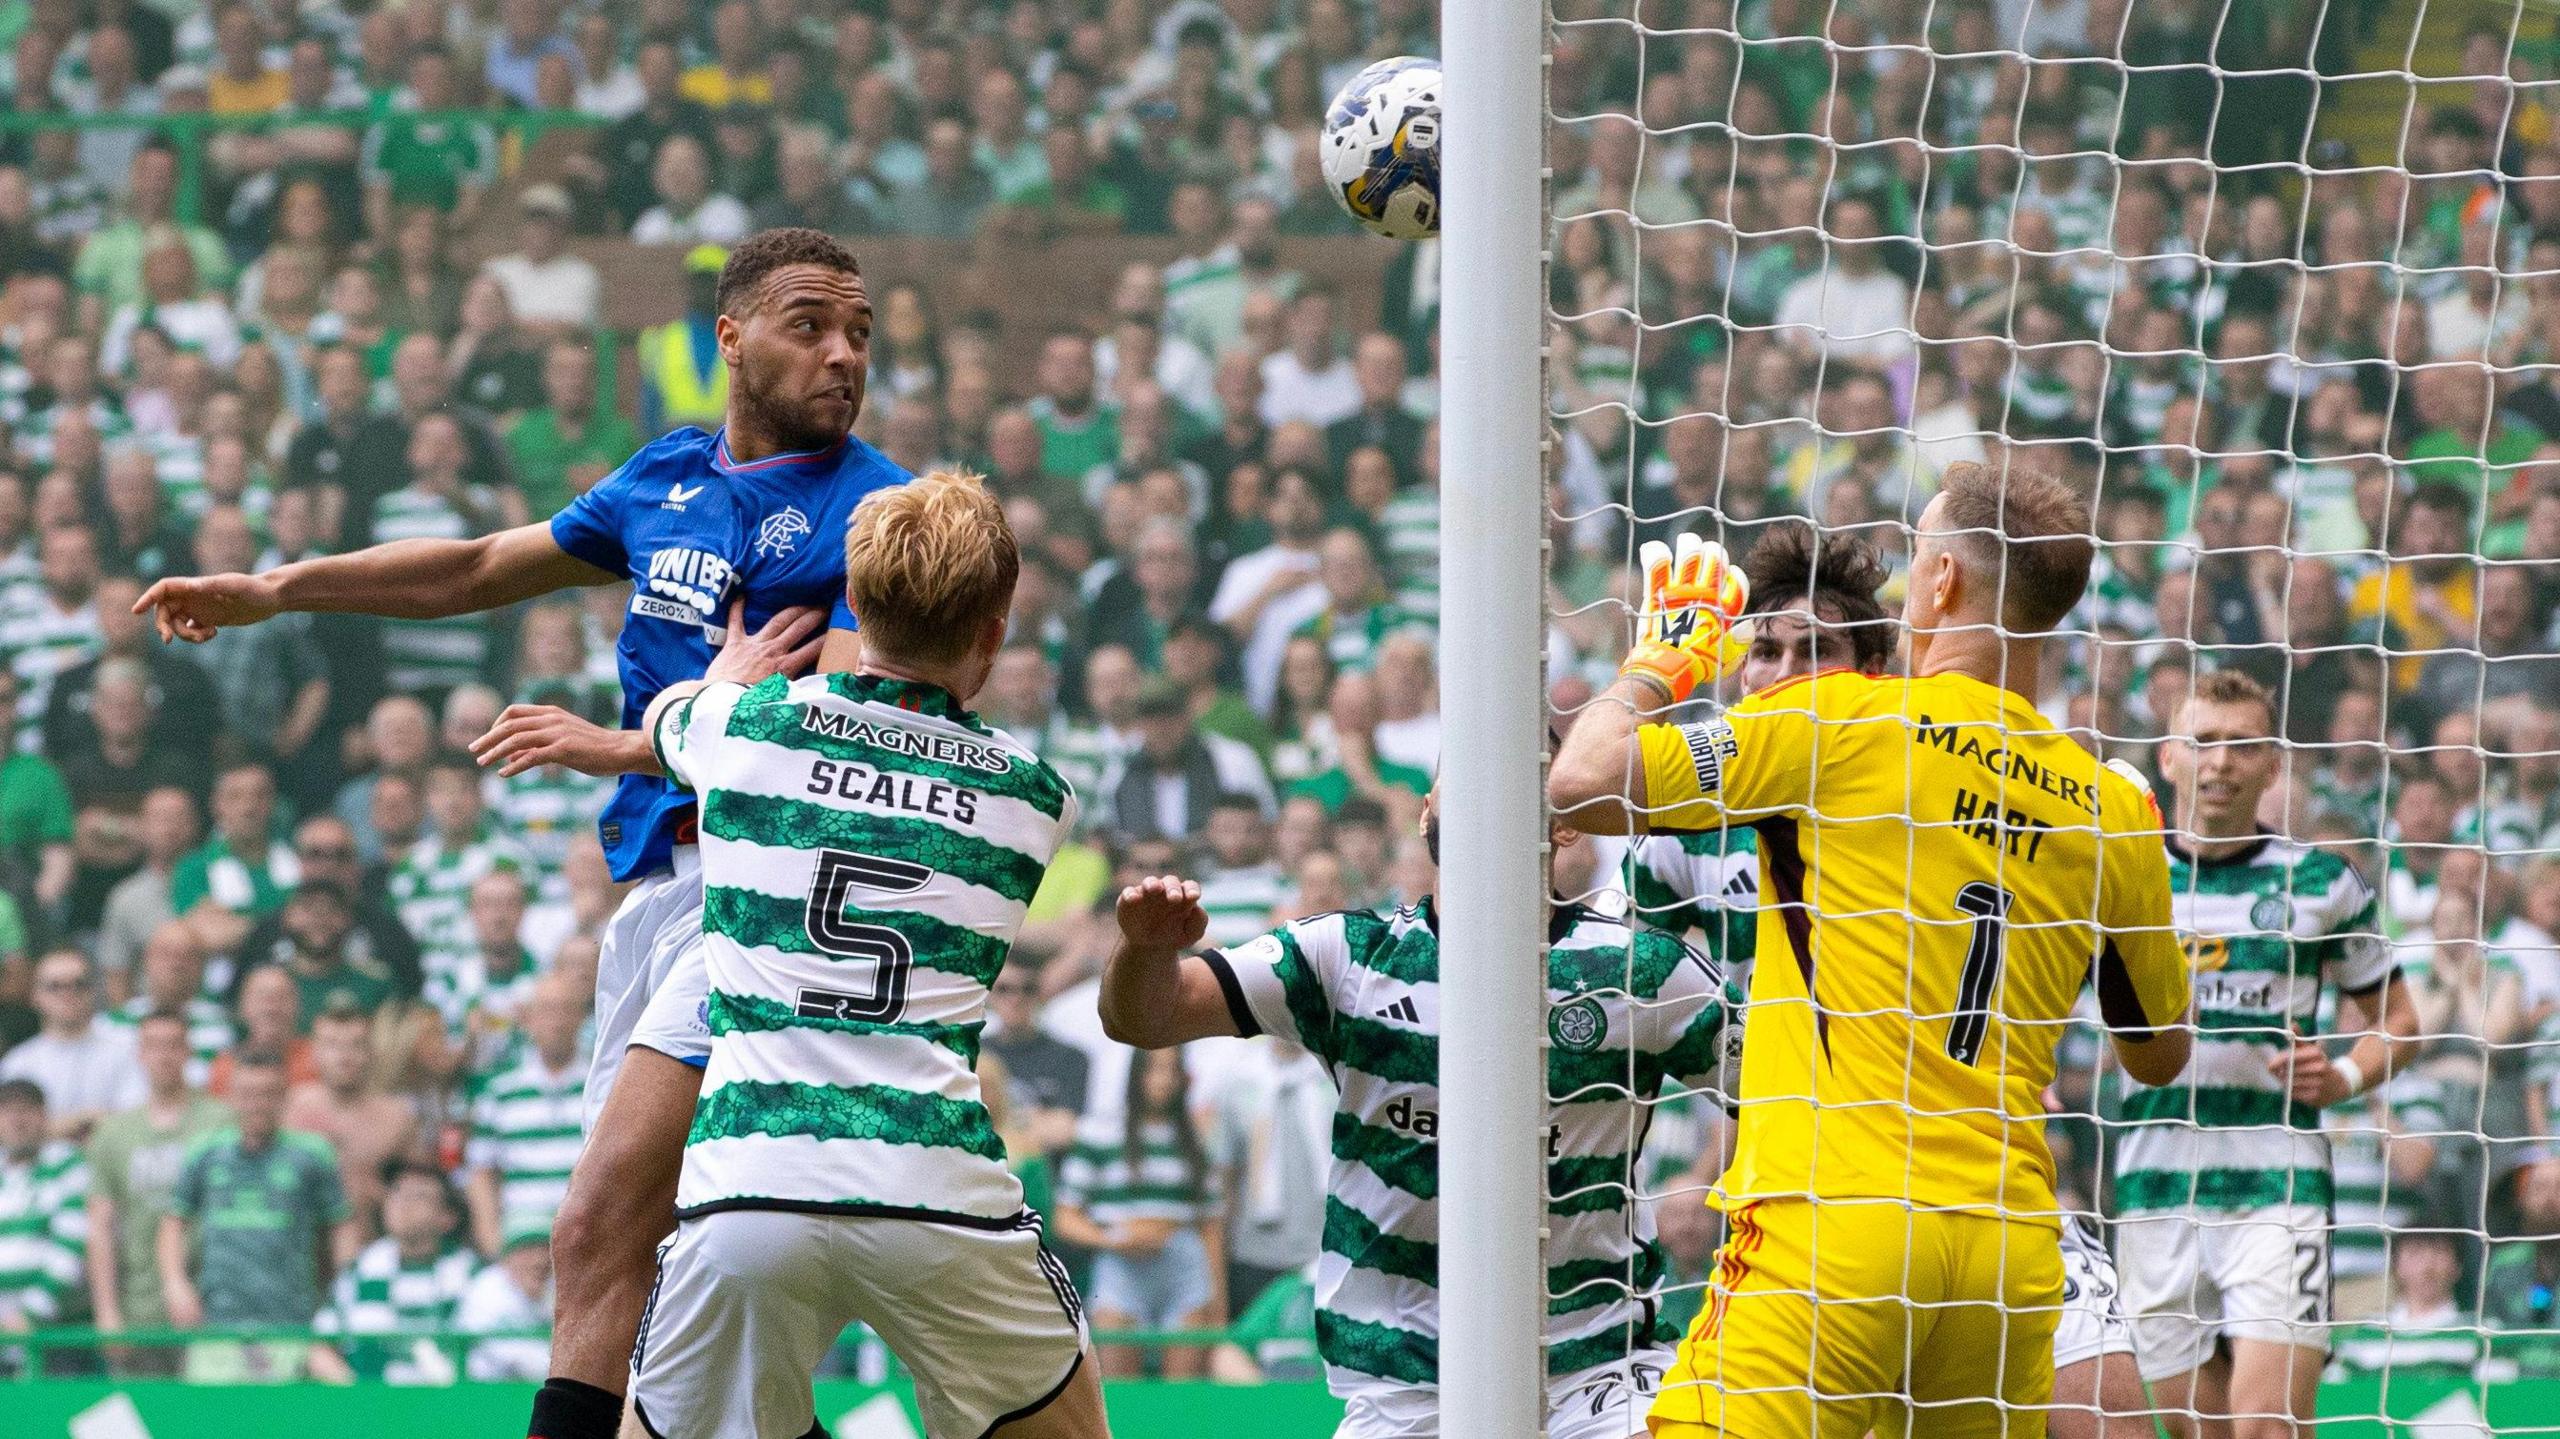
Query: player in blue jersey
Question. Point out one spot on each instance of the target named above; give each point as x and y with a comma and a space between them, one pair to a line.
745, 526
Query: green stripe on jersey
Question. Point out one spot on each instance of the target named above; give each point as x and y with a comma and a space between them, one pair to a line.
1362, 992
799, 824
2215, 1107
1357, 1237
1384, 1350
1402, 1163
2269, 929
756, 1014
2221, 1189
754, 919
867, 1111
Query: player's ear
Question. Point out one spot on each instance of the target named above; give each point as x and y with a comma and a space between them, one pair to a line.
724, 329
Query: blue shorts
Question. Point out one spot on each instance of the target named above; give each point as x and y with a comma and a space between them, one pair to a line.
1159, 1290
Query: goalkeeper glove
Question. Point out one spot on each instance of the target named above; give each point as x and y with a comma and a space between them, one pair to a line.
1693, 596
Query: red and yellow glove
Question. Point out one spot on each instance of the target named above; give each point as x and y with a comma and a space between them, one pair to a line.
1693, 597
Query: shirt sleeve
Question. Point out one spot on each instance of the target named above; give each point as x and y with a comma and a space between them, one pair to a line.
186, 1195
2354, 956
2141, 970
590, 526
1275, 985
1755, 760
686, 728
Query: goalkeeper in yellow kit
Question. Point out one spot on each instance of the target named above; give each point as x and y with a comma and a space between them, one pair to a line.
1941, 872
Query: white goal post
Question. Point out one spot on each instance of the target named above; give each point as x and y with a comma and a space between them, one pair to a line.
1492, 796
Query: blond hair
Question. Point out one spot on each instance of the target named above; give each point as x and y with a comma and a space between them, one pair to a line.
927, 564
2234, 687
2030, 529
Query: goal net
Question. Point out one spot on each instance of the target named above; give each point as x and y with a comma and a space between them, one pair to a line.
2274, 289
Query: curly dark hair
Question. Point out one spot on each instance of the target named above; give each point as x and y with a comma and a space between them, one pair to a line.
766, 251
1842, 573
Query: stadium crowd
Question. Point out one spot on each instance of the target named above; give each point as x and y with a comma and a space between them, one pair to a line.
292, 992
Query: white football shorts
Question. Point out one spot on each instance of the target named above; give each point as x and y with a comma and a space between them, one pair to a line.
748, 1301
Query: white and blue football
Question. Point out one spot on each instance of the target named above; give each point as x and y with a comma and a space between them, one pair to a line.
1382, 147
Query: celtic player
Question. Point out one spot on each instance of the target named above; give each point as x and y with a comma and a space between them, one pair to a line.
1812, 606
1631, 1016
868, 851
2222, 1180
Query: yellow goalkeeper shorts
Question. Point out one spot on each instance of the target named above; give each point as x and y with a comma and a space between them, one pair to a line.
1921, 1322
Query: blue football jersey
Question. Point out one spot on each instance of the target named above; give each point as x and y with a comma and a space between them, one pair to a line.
687, 525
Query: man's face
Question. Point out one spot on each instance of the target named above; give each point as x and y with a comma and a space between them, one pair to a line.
243, 803
317, 922
800, 350
160, 1050
1237, 836
415, 1212
2221, 762
453, 804
63, 995
340, 1050
1066, 371
1016, 997
69, 564
172, 966
1787, 643
497, 912
257, 1097
21, 1125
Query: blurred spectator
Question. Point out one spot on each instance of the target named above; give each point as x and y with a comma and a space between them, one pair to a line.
344, 1104
243, 872
1136, 1191
407, 1284
134, 1158
270, 1010
552, 292
256, 1223
80, 1059
511, 1294
689, 211
44, 1220
424, 158
946, 199
138, 907
526, 1123
1270, 1128
171, 982
1172, 782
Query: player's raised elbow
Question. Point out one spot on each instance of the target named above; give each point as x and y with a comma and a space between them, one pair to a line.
1594, 793
2157, 1058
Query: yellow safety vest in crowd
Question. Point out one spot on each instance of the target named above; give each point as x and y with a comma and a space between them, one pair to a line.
685, 395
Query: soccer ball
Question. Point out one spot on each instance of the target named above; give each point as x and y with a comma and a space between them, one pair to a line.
1382, 147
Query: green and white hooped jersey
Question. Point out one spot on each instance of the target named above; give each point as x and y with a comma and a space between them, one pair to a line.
1704, 885
869, 849
1632, 1015
2266, 929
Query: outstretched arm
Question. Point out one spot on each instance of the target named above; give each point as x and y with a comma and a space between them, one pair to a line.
529, 735
402, 580
1153, 995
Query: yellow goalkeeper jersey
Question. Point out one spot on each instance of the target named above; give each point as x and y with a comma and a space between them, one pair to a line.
1941, 873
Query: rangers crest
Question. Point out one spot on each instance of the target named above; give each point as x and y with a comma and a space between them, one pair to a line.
781, 533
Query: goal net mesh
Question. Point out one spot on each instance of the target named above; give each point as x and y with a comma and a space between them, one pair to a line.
2275, 289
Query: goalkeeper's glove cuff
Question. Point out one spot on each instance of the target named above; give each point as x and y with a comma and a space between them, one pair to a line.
1678, 671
